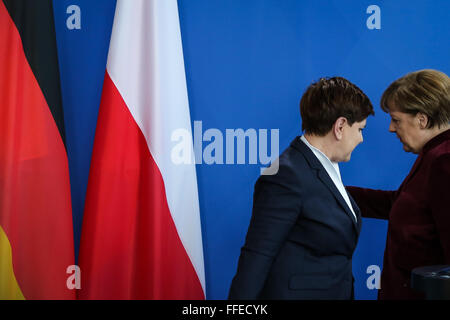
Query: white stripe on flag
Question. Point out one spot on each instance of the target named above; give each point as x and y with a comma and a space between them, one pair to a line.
146, 64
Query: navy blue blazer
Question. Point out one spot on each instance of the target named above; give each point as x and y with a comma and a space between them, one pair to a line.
301, 236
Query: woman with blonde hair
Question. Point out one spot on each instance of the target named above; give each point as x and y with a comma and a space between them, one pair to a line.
419, 211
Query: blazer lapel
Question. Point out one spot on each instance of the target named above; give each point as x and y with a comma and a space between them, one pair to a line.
412, 172
325, 178
323, 175
357, 212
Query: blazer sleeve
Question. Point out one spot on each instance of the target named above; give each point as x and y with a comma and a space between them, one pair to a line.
439, 188
373, 203
276, 207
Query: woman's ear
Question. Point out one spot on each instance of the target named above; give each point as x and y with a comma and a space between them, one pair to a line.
338, 127
423, 120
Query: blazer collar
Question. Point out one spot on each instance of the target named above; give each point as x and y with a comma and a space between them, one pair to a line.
309, 155
315, 164
436, 141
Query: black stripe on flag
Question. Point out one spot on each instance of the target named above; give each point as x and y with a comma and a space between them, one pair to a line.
35, 23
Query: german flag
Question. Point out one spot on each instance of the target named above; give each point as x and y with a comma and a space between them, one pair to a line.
36, 234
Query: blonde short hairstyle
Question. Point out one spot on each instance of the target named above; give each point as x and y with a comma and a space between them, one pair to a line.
426, 91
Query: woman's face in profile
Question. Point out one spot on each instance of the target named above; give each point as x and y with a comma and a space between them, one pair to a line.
408, 130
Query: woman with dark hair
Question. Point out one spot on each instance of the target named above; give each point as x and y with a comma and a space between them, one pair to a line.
419, 211
304, 226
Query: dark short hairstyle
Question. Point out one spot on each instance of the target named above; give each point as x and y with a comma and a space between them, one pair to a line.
426, 91
327, 100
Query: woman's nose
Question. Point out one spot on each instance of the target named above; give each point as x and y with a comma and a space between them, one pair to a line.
391, 127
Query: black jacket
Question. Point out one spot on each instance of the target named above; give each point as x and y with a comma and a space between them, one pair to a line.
301, 237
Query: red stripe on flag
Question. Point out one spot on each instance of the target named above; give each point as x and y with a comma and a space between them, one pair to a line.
130, 248
35, 207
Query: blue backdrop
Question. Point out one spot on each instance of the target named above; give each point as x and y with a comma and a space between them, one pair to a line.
247, 65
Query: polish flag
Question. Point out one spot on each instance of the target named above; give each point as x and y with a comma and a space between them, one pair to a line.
141, 236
